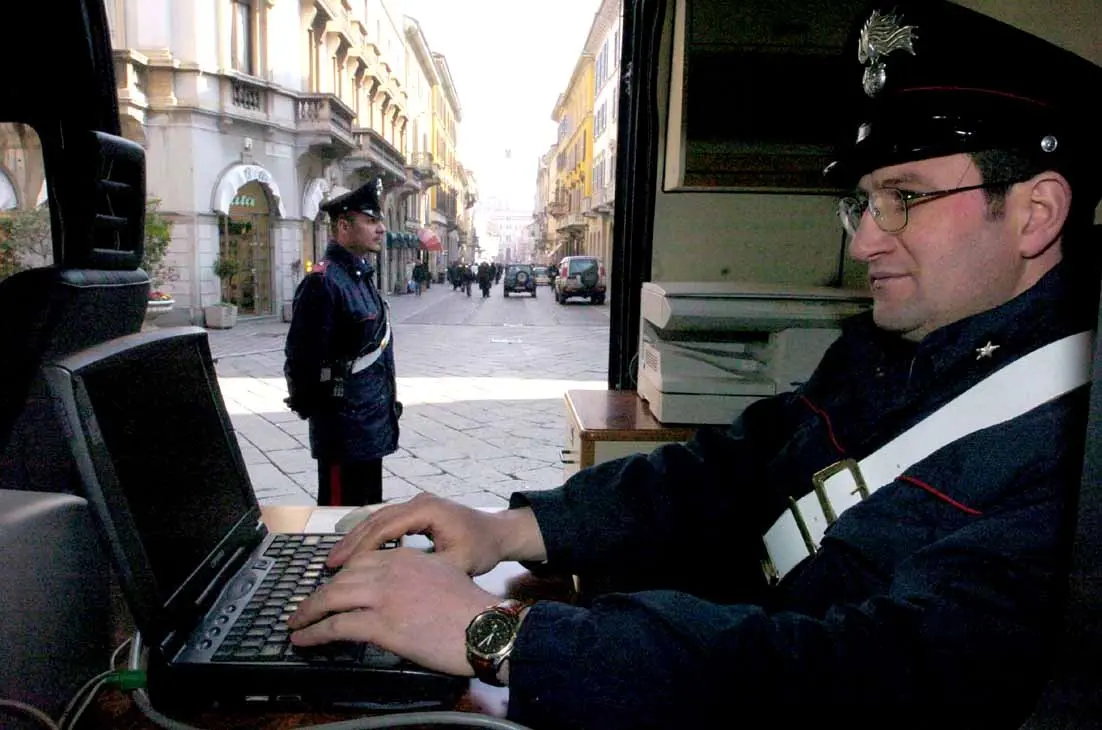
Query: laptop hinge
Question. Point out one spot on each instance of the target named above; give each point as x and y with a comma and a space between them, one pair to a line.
218, 581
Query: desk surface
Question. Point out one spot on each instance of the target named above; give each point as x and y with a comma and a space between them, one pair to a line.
620, 415
117, 712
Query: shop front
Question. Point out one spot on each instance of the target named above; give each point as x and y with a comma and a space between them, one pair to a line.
247, 201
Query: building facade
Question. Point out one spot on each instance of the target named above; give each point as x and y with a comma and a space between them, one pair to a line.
252, 113
542, 226
574, 207
573, 116
604, 36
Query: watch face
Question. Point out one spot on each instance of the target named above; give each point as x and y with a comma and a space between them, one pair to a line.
491, 633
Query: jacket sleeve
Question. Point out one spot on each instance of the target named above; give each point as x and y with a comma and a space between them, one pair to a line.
308, 344
957, 635
632, 514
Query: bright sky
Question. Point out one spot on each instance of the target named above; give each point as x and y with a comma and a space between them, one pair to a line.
509, 60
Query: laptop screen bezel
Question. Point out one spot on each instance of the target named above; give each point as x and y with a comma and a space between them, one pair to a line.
164, 625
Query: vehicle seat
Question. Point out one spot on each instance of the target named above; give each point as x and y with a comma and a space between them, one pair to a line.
51, 312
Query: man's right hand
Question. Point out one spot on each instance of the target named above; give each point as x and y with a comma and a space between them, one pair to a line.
472, 540
298, 407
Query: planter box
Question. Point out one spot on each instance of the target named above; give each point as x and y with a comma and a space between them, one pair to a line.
154, 308
220, 316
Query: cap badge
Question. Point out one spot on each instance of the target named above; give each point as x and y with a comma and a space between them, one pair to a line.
881, 35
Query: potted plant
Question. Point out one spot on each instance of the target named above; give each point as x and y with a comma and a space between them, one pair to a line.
158, 236
296, 276
224, 314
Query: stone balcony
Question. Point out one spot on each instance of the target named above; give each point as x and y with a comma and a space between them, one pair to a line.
244, 98
572, 222
373, 156
425, 169
323, 120
604, 199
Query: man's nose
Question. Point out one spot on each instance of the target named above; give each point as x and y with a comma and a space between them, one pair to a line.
869, 240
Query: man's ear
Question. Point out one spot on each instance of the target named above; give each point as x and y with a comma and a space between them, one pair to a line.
1040, 210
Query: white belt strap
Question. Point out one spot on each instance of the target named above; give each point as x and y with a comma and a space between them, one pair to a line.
362, 363
1037, 378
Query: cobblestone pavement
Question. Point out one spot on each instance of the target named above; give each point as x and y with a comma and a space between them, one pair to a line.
482, 382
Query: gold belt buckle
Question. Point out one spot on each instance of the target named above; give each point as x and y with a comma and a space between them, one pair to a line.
768, 567
819, 479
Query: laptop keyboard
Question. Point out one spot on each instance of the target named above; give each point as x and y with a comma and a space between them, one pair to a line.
260, 633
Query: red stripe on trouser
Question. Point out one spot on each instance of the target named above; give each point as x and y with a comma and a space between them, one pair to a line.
335, 485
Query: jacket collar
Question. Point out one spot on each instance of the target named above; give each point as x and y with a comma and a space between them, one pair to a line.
341, 255
1056, 306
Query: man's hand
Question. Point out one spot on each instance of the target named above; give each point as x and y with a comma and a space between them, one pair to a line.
299, 408
469, 539
412, 603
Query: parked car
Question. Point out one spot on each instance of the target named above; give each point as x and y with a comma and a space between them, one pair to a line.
519, 278
542, 277
580, 276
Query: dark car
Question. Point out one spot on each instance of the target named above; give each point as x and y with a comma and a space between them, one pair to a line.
519, 278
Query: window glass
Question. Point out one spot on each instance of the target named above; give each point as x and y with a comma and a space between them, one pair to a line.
25, 240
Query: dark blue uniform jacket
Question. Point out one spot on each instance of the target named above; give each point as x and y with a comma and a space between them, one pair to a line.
930, 604
339, 314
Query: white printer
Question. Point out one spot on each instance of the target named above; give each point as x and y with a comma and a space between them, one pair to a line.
709, 349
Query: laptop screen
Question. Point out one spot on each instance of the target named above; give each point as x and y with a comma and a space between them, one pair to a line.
164, 467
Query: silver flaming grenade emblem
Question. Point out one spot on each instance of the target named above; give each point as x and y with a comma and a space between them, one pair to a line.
882, 35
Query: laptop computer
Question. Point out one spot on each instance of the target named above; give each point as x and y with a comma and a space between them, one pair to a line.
209, 587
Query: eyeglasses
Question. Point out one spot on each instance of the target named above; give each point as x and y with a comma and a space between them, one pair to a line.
889, 206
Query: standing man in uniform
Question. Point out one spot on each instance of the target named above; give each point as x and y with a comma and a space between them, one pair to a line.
340, 360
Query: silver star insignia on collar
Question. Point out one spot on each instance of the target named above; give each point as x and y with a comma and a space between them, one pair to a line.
986, 351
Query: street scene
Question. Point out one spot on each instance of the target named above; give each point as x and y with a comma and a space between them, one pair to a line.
481, 381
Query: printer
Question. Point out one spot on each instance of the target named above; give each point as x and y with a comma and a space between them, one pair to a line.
709, 349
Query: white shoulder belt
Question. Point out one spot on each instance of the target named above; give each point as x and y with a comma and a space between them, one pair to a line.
1030, 381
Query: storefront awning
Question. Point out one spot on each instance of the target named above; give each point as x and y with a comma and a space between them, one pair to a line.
429, 240
237, 177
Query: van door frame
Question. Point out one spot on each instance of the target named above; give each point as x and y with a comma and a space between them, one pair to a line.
636, 178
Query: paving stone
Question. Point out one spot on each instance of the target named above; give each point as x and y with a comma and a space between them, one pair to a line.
482, 499
293, 461
447, 485
472, 469
411, 467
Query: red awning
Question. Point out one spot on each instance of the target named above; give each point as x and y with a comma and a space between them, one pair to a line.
429, 240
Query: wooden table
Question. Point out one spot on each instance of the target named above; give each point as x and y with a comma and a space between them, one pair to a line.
607, 424
115, 710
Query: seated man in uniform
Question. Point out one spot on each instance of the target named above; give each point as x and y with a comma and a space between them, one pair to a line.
751, 577
340, 362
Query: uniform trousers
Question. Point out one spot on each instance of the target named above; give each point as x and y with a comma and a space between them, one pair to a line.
350, 484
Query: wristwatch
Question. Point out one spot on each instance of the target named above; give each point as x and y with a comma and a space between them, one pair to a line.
491, 636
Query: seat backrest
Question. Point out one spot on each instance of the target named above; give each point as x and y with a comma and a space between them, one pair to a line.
51, 312
1073, 697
